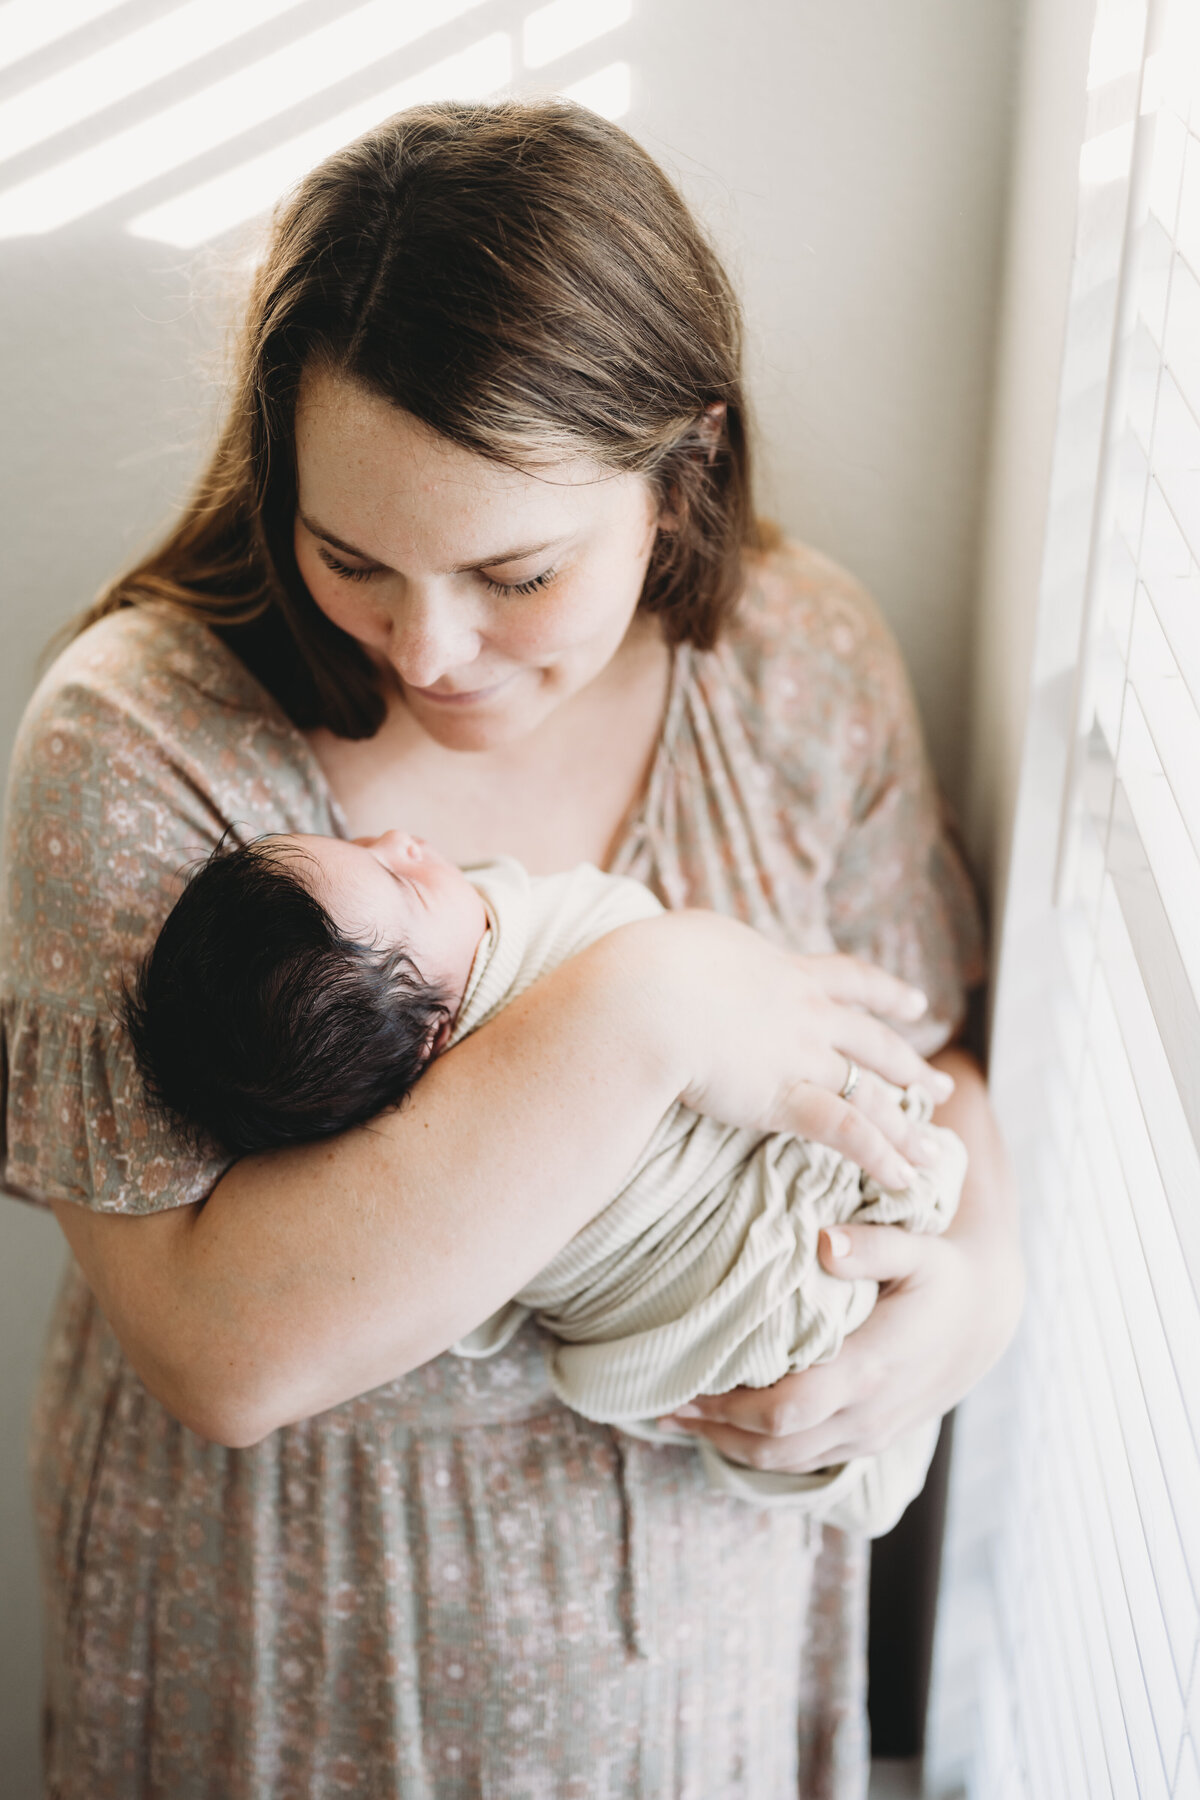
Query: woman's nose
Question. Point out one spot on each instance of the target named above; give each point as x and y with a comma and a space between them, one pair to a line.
429, 636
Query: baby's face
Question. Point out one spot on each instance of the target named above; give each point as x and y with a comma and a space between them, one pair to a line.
398, 890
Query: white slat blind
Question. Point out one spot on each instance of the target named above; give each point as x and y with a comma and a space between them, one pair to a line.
1068, 1661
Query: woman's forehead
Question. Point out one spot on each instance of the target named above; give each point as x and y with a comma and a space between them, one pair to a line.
363, 460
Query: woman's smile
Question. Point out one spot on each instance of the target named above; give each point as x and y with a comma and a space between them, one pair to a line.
476, 696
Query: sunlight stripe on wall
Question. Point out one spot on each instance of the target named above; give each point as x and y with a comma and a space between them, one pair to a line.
552, 31
122, 68
607, 92
219, 112
29, 25
240, 194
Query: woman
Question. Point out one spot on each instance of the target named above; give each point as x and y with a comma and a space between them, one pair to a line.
476, 555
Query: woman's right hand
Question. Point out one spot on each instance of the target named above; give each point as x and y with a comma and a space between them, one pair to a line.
764, 1038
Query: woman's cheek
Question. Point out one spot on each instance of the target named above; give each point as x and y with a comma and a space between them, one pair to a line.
352, 611
580, 613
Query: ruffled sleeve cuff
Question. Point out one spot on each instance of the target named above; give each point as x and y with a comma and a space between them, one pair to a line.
74, 1123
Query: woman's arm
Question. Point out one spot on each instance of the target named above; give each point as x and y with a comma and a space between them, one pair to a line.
948, 1309
314, 1274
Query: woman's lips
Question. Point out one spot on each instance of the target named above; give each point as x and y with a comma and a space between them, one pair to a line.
463, 696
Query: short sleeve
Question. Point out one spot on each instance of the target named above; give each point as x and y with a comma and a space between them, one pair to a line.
145, 742
846, 741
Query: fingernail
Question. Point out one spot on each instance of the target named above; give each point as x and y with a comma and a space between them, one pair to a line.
942, 1085
902, 1174
915, 1003
839, 1242
687, 1412
927, 1152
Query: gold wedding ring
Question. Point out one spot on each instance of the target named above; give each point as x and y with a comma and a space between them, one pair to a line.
851, 1082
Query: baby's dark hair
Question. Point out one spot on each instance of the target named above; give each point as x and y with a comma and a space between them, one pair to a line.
256, 1022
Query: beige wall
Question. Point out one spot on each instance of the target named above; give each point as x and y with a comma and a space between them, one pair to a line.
850, 157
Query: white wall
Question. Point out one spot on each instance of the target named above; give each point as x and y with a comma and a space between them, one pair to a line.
851, 160
974, 1720
1033, 311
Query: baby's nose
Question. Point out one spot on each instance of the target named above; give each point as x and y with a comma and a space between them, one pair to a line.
402, 844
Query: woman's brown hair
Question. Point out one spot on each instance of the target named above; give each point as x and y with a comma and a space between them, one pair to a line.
525, 280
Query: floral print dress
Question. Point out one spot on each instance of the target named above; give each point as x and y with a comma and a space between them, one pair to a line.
451, 1585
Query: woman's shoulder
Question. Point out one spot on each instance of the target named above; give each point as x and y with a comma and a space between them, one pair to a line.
151, 705
144, 742
156, 663
801, 608
813, 657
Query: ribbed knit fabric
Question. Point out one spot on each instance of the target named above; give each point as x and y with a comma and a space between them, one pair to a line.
701, 1274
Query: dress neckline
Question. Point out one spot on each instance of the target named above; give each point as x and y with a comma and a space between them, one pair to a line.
631, 835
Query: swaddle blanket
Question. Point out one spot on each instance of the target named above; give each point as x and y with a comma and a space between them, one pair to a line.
701, 1274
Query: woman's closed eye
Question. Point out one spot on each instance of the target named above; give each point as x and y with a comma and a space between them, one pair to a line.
521, 587
352, 572
347, 571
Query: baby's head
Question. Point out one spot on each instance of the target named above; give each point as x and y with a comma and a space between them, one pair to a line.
301, 984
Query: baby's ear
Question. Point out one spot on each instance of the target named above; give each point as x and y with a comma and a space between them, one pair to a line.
438, 1041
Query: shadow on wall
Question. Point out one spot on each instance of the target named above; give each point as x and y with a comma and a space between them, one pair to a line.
113, 393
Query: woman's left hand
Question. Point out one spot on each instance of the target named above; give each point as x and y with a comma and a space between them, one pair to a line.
947, 1308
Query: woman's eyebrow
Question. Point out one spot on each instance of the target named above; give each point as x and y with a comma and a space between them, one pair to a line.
337, 542
479, 562
505, 556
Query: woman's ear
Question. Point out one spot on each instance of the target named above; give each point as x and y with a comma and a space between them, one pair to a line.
712, 429
702, 441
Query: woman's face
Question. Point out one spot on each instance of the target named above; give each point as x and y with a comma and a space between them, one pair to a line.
491, 594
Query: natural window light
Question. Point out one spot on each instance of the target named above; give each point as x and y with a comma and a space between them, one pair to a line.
29, 25
259, 91
476, 48
1069, 1657
606, 92
555, 30
111, 75
243, 192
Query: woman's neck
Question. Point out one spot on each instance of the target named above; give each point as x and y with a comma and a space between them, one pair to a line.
562, 794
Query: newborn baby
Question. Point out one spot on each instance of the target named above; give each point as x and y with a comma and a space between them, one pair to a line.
301, 984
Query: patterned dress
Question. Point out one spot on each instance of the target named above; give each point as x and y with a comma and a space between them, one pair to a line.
451, 1585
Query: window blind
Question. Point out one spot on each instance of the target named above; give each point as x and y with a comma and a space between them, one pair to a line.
1068, 1657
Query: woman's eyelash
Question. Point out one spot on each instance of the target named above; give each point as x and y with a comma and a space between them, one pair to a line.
346, 570
349, 572
521, 587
